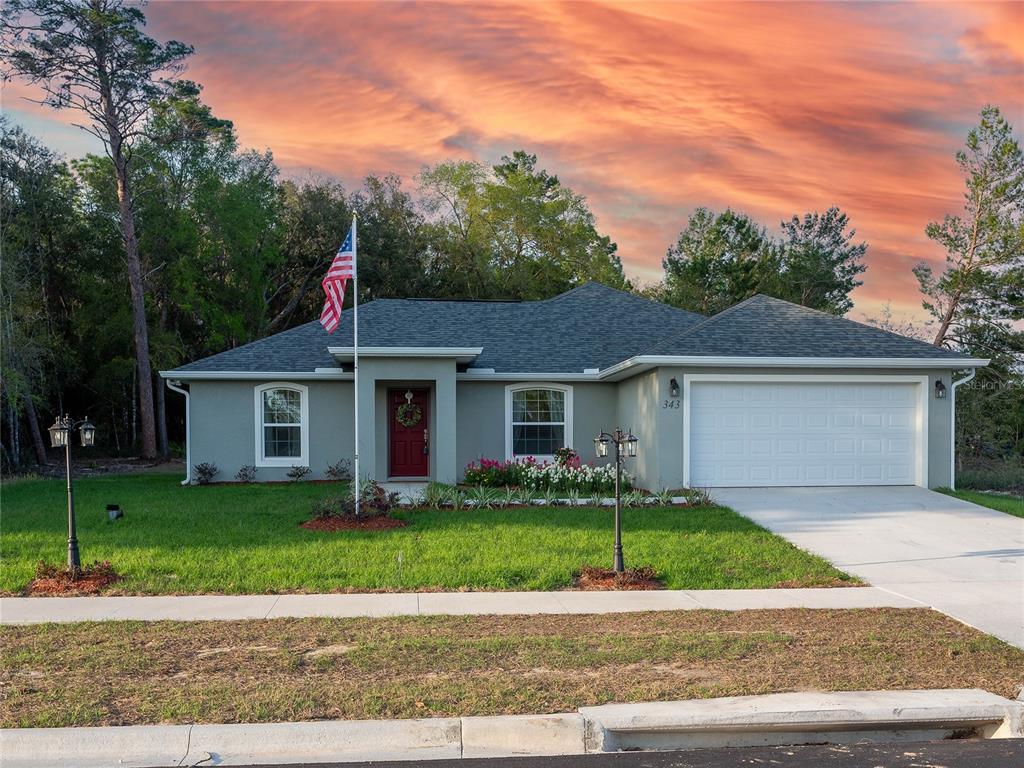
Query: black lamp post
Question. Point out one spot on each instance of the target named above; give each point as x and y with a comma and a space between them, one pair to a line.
60, 437
625, 445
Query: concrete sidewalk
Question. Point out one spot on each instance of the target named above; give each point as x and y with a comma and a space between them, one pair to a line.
36, 610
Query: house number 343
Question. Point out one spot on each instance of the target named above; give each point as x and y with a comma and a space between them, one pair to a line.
672, 403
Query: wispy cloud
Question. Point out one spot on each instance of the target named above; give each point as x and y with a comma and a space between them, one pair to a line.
649, 110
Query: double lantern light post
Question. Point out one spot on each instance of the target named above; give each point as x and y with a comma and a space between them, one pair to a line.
625, 445
60, 437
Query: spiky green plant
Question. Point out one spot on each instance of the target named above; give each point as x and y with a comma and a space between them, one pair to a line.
435, 495
481, 497
633, 499
524, 496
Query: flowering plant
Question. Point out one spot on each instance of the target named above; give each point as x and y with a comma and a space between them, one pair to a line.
494, 474
572, 475
567, 457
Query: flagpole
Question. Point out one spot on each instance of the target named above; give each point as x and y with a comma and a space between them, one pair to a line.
355, 353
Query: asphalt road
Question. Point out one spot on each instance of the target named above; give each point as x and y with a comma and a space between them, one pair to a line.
993, 753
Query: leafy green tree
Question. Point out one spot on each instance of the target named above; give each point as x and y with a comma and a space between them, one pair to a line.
92, 56
977, 301
721, 259
718, 260
512, 231
392, 243
40, 236
820, 262
983, 280
313, 217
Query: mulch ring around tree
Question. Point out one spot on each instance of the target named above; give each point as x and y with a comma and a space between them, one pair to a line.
58, 580
380, 523
591, 578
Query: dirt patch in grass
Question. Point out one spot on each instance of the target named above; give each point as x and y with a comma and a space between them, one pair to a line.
353, 524
593, 578
56, 581
121, 673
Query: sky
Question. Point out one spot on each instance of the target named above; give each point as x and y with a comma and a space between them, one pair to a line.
649, 110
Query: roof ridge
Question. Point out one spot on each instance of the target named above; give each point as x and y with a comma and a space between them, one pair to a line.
694, 328
629, 294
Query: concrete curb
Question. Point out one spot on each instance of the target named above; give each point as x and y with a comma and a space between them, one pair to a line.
787, 718
37, 610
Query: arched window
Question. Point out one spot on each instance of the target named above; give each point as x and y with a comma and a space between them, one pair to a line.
538, 420
282, 425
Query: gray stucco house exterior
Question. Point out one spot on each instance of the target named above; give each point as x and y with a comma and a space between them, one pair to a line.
764, 393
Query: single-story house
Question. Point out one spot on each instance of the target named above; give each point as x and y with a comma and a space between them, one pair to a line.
764, 393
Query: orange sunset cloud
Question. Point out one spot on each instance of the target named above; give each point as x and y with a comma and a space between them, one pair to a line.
649, 110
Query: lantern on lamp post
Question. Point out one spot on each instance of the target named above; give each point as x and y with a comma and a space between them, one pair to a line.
625, 443
60, 437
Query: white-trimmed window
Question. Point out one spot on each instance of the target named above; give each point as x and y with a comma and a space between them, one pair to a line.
538, 420
282, 425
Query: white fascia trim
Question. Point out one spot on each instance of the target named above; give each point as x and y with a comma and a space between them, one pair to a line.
319, 373
923, 390
491, 375
461, 354
174, 386
565, 388
648, 361
288, 461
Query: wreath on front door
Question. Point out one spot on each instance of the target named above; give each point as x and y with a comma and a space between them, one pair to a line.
409, 415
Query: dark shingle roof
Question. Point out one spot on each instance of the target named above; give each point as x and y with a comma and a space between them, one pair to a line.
763, 326
592, 326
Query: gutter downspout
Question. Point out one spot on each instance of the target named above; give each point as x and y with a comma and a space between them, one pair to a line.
952, 421
174, 386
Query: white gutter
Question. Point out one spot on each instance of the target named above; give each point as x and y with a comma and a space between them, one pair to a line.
489, 374
643, 362
952, 424
334, 374
173, 386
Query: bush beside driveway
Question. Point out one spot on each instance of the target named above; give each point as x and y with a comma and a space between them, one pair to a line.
237, 539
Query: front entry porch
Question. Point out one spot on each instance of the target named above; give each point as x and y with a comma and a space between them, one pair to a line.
407, 419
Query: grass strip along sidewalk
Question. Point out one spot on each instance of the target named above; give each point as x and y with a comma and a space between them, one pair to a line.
121, 673
1010, 504
237, 539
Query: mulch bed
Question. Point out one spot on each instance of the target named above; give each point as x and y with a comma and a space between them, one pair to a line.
592, 578
353, 524
56, 581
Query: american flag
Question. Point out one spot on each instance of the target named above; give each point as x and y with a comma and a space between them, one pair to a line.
342, 269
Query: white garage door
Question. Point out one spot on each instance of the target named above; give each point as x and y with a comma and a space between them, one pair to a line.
795, 433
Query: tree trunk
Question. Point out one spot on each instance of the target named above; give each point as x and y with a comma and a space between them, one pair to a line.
14, 430
947, 320
33, 428
139, 327
161, 418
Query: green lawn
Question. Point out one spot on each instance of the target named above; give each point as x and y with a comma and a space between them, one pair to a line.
1011, 505
245, 539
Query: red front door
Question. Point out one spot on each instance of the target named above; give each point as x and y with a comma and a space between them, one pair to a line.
408, 433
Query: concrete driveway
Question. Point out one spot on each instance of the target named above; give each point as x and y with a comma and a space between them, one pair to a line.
964, 560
